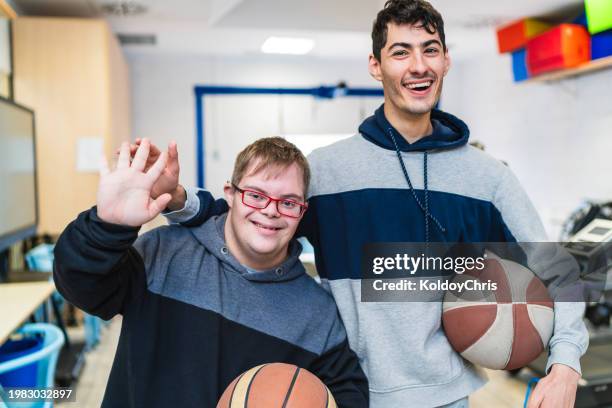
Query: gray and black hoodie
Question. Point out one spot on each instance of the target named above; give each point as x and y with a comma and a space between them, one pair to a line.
194, 318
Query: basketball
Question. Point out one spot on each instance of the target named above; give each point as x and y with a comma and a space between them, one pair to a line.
277, 385
502, 329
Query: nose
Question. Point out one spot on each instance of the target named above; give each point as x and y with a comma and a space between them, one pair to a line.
271, 210
418, 66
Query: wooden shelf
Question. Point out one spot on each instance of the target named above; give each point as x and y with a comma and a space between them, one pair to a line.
591, 66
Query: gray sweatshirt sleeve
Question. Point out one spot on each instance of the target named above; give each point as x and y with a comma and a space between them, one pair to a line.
189, 211
570, 337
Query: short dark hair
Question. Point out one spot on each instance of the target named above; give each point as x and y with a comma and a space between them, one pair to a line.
406, 12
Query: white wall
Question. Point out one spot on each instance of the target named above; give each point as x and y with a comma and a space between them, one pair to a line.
556, 137
164, 104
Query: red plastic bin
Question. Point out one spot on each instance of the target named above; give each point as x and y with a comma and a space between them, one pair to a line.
565, 46
515, 35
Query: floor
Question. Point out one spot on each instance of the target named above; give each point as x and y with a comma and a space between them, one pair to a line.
502, 391
92, 382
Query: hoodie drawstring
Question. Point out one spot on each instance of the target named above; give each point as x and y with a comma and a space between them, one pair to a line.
425, 207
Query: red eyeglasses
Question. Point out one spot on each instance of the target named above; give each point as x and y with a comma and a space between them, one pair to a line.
259, 201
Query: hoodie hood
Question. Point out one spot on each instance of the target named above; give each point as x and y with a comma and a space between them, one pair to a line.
211, 235
449, 132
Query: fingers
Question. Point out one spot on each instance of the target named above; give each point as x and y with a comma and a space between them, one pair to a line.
172, 150
140, 158
154, 150
536, 397
173, 163
124, 156
156, 170
103, 166
156, 206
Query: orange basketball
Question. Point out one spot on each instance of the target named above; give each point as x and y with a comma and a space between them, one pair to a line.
277, 385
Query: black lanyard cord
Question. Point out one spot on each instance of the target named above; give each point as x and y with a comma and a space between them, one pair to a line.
425, 207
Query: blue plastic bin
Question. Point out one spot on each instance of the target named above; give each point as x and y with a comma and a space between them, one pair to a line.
25, 376
519, 65
601, 45
40, 258
581, 20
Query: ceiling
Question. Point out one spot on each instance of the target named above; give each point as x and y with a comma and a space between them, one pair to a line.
340, 28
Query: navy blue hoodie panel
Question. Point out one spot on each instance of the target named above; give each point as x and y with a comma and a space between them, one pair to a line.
449, 132
174, 354
347, 221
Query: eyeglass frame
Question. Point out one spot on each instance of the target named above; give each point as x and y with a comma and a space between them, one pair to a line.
303, 206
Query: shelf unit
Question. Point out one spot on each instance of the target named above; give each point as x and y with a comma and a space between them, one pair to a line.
591, 66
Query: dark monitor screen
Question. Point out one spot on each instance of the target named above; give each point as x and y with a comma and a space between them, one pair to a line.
18, 206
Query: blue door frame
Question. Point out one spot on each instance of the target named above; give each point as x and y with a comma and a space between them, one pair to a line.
326, 92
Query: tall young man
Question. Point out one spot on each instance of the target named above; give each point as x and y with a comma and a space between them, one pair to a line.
202, 305
409, 176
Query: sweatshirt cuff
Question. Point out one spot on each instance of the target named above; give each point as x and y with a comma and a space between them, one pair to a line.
107, 235
565, 353
191, 208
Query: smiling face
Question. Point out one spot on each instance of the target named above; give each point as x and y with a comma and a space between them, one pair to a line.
412, 67
259, 238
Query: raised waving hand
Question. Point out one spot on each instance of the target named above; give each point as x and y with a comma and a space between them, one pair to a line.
125, 193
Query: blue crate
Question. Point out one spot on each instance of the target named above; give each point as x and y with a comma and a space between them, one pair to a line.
581, 20
519, 65
601, 45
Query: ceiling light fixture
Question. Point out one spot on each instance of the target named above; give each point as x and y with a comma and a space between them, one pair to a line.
287, 45
123, 8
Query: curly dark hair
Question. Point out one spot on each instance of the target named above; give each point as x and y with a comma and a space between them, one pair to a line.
406, 12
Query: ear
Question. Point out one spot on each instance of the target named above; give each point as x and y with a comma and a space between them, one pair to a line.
229, 191
374, 67
447, 62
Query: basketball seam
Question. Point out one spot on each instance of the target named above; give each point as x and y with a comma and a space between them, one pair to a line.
532, 321
489, 330
326, 392
293, 380
513, 334
531, 325
536, 306
517, 287
483, 334
246, 397
229, 404
461, 304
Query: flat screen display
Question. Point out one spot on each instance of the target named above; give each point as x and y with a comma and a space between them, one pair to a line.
17, 173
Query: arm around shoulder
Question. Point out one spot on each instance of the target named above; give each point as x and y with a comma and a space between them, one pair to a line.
199, 206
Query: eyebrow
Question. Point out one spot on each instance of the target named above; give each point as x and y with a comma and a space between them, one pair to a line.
410, 46
290, 196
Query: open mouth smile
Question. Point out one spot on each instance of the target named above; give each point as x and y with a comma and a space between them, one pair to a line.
419, 88
265, 227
